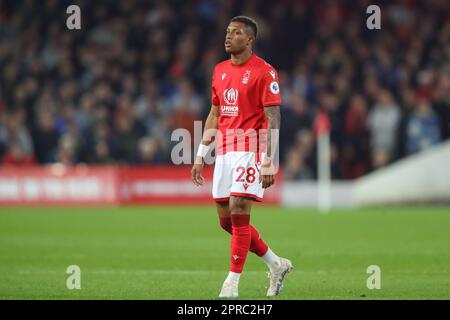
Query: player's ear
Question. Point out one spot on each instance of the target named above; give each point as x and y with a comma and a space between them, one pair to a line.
250, 40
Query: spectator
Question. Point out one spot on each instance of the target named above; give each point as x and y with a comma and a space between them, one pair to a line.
296, 117
85, 116
299, 162
408, 97
148, 151
295, 168
442, 102
383, 121
125, 139
354, 162
66, 152
13, 131
423, 128
45, 138
102, 154
150, 106
17, 157
186, 105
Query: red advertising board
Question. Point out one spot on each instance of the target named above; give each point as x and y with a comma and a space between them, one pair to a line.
59, 185
163, 185
172, 185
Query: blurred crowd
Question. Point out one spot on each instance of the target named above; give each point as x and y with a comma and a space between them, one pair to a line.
112, 92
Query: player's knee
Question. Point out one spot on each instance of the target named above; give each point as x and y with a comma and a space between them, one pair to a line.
239, 205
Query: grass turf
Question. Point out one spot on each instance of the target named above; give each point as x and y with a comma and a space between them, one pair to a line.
181, 253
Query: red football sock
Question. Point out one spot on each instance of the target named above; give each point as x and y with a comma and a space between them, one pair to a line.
257, 246
240, 241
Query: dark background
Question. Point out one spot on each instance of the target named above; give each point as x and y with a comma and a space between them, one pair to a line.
112, 92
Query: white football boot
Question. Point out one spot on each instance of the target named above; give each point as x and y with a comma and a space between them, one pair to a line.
277, 276
229, 289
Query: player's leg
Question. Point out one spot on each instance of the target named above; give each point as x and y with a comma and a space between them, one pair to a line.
245, 191
278, 267
234, 163
245, 183
239, 208
223, 209
258, 246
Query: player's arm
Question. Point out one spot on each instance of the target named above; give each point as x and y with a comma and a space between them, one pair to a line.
267, 176
211, 125
208, 137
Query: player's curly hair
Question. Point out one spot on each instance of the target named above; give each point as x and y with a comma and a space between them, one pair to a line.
248, 22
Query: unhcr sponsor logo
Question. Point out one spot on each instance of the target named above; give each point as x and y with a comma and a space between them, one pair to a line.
229, 110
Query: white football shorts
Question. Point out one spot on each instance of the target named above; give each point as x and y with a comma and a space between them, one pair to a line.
237, 174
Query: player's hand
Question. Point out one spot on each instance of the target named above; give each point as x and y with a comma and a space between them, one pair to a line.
196, 172
267, 175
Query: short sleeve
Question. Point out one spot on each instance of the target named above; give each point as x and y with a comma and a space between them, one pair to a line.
214, 97
270, 88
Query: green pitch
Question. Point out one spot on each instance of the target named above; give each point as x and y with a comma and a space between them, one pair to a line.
181, 253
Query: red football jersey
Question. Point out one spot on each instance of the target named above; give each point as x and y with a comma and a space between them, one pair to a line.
241, 92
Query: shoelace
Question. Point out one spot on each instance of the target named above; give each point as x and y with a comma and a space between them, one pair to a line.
272, 277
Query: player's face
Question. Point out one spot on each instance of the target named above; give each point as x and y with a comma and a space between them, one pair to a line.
237, 38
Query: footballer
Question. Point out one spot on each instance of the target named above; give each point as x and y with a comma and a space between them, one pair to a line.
245, 103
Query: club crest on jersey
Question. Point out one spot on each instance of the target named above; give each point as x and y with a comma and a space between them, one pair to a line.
274, 87
246, 77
